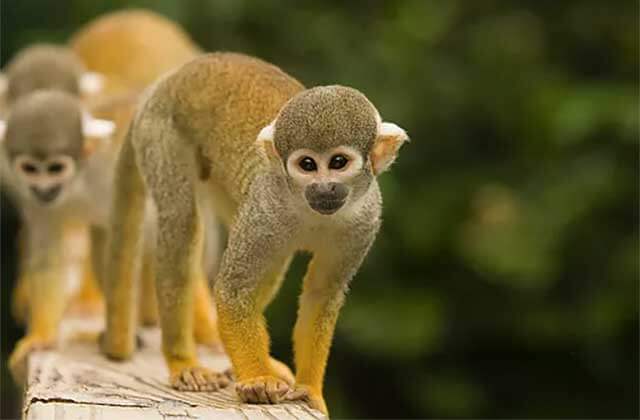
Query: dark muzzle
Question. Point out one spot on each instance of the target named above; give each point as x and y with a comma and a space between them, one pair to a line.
46, 195
326, 198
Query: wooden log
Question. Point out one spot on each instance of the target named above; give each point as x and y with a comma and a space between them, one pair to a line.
76, 382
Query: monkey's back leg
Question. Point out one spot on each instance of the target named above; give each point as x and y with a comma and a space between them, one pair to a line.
167, 164
123, 256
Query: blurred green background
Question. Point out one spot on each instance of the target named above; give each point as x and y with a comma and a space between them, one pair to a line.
504, 282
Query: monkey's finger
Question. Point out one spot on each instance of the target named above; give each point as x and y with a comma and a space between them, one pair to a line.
199, 379
275, 391
222, 380
282, 389
297, 394
187, 380
229, 374
216, 381
260, 389
247, 393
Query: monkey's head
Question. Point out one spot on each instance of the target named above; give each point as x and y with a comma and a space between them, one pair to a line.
44, 66
47, 138
331, 144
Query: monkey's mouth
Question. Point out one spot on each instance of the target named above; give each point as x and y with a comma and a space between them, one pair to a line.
46, 196
326, 207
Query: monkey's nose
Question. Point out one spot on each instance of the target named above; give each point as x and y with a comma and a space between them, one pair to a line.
326, 198
330, 190
46, 195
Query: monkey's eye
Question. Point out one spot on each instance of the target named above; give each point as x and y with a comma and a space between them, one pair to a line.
338, 162
29, 168
55, 168
308, 164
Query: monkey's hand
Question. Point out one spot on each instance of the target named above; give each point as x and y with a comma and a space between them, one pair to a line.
262, 390
308, 395
198, 378
18, 358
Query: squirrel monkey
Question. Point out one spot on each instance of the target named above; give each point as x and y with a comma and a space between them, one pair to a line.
47, 66
38, 67
288, 169
59, 160
45, 144
54, 171
131, 49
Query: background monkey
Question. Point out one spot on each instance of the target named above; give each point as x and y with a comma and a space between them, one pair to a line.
36, 68
47, 66
52, 166
59, 171
131, 49
308, 184
124, 47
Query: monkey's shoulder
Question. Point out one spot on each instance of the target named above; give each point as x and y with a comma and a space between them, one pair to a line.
227, 77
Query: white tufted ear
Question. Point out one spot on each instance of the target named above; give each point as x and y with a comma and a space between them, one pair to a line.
385, 150
91, 83
265, 144
3, 130
266, 134
390, 129
93, 127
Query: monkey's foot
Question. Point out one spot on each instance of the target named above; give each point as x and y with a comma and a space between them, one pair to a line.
198, 378
118, 348
18, 358
262, 390
309, 395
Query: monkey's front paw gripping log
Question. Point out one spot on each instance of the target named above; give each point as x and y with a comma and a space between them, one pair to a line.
197, 378
262, 390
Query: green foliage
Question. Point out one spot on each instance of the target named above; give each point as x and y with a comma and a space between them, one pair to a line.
504, 282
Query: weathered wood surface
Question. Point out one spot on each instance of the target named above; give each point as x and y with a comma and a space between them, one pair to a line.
77, 382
